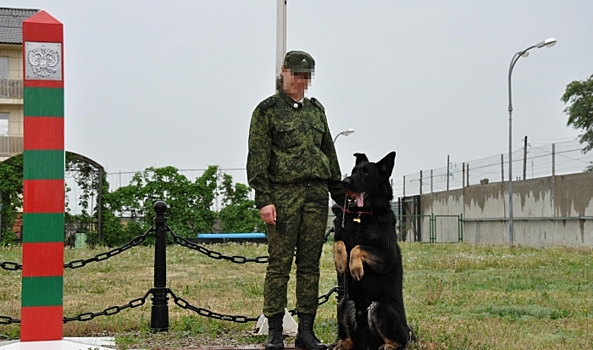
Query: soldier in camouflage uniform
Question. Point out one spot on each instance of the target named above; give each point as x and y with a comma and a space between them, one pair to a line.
292, 164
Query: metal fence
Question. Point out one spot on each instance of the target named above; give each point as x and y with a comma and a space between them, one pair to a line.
530, 160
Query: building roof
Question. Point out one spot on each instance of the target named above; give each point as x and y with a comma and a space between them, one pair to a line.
11, 24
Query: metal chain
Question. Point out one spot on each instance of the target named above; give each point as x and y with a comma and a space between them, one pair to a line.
141, 301
213, 254
182, 303
322, 299
11, 266
8, 320
104, 256
74, 264
87, 316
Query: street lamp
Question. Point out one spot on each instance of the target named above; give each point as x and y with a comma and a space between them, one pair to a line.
547, 43
345, 133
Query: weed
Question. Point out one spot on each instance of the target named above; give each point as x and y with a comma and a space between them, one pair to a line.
435, 289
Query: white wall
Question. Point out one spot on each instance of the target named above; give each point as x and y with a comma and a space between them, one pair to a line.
547, 211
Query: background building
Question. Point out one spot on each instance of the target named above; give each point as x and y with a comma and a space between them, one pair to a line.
11, 80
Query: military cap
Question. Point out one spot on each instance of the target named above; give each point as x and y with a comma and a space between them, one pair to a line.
299, 62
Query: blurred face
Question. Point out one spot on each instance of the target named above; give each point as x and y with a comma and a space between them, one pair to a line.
295, 84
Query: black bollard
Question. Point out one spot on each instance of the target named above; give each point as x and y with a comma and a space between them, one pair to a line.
159, 318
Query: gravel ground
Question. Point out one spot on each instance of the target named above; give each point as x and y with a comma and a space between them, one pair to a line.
179, 340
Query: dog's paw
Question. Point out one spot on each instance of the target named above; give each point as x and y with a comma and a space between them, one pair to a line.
356, 259
340, 257
343, 345
356, 270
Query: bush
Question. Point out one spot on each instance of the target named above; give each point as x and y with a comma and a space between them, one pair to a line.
8, 238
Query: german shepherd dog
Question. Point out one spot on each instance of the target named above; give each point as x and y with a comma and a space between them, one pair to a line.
368, 260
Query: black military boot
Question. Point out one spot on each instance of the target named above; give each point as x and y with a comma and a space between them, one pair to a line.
275, 328
305, 337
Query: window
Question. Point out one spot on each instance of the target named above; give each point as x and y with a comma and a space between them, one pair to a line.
3, 124
3, 76
3, 67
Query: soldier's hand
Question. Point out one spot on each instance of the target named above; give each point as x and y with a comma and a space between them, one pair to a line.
268, 214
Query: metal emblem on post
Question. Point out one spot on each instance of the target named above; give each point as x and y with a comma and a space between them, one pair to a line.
43, 61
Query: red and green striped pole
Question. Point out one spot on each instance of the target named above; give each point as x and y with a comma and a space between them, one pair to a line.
43, 179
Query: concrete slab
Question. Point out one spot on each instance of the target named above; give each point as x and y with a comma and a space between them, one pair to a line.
74, 343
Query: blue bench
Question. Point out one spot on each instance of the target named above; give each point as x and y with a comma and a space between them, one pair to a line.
254, 237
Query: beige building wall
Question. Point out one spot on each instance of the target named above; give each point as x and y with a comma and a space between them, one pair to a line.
13, 105
15, 60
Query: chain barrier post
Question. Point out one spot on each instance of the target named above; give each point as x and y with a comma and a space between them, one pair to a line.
159, 318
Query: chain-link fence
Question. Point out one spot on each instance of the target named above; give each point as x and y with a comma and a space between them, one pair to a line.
530, 160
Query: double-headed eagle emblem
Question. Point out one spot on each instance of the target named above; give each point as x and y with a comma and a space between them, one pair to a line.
43, 61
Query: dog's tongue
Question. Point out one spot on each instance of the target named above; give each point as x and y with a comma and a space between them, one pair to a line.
360, 200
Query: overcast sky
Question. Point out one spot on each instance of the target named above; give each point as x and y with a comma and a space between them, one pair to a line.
157, 83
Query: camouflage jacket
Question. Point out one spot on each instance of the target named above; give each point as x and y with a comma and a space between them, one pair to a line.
290, 143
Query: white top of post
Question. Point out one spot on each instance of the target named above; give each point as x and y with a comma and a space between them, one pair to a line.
280, 34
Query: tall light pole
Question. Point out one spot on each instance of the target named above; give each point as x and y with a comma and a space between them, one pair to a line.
345, 133
280, 39
524, 53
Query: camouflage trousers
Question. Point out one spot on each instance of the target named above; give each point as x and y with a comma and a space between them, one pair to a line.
301, 217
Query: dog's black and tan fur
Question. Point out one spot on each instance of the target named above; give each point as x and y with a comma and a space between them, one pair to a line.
371, 314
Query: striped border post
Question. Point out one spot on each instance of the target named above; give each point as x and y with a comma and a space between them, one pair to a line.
43, 179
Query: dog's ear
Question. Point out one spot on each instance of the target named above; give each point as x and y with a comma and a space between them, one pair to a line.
361, 157
386, 164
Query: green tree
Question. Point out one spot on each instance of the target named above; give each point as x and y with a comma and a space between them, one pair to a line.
86, 174
579, 96
190, 203
239, 213
11, 195
11, 189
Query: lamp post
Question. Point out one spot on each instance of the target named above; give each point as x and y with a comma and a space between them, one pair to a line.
345, 133
341, 286
524, 53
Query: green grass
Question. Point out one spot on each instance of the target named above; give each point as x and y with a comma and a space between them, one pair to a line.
458, 296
